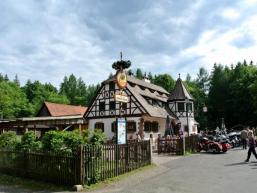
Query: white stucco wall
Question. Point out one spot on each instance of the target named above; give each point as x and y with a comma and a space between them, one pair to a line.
191, 123
108, 126
162, 126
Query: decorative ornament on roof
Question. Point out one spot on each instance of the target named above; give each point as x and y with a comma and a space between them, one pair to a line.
122, 64
121, 76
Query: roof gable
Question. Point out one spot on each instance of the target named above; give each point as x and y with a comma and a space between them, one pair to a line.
180, 92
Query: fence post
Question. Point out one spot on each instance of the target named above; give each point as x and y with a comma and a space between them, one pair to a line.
151, 151
79, 180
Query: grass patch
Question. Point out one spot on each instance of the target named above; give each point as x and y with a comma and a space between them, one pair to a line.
28, 183
117, 178
25, 183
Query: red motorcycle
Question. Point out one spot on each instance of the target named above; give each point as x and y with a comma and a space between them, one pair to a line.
212, 146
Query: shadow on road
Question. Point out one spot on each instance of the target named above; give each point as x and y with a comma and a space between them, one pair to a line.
236, 164
211, 153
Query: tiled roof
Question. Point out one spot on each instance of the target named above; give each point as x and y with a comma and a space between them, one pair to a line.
142, 83
180, 92
142, 90
154, 111
64, 110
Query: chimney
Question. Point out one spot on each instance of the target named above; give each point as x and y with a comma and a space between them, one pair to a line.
146, 79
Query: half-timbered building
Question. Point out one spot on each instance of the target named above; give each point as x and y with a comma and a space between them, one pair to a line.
146, 101
181, 103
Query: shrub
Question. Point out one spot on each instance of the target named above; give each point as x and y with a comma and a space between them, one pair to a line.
29, 141
9, 140
62, 141
97, 137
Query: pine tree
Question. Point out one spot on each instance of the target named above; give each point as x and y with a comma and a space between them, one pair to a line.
6, 78
16, 80
139, 74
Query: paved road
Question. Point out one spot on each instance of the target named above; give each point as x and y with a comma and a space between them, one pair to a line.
204, 173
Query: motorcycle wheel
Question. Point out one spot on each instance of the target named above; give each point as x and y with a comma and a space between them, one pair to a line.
217, 150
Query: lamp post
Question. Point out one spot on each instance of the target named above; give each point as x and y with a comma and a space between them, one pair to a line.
184, 138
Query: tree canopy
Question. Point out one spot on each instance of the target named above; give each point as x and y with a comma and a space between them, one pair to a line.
228, 92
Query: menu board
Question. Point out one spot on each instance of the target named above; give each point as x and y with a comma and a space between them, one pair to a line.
121, 131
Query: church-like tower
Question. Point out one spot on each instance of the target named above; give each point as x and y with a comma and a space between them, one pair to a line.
181, 103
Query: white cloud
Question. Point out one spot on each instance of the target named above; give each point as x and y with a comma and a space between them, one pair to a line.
231, 14
47, 40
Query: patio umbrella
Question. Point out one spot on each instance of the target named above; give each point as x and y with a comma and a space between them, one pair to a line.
168, 127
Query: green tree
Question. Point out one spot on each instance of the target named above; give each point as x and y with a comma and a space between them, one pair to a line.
16, 80
6, 78
139, 74
165, 81
203, 79
200, 100
37, 93
13, 101
91, 92
1, 77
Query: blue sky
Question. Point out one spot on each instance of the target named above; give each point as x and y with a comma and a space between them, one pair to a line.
48, 39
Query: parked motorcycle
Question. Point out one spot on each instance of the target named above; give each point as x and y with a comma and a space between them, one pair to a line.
212, 146
233, 137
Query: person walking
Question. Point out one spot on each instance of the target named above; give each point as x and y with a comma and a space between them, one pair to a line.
244, 138
252, 145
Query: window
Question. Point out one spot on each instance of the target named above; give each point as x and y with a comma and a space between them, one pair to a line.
112, 86
155, 126
189, 106
147, 126
181, 106
131, 126
186, 128
151, 126
124, 106
114, 125
99, 126
102, 106
112, 105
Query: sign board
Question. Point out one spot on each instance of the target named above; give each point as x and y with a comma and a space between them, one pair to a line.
121, 98
121, 78
121, 131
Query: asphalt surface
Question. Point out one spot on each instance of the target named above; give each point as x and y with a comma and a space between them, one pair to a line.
204, 173
200, 173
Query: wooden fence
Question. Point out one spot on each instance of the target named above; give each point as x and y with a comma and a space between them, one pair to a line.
50, 167
90, 165
174, 145
102, 162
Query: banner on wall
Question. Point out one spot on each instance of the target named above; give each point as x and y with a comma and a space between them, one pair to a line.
121, 131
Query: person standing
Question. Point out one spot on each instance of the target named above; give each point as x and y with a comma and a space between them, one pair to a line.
244, 138
252, 145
